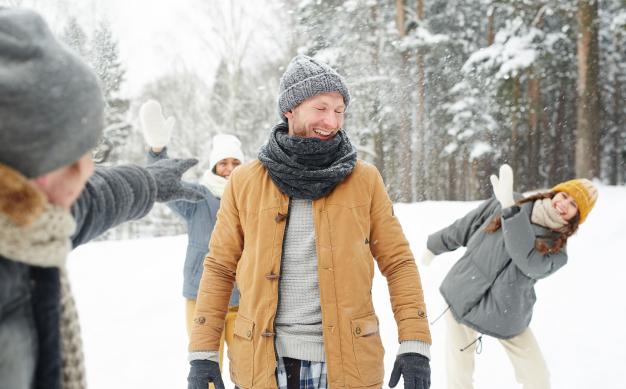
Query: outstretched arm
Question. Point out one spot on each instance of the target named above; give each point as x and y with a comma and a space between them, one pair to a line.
458, 233
112, 196
117, 194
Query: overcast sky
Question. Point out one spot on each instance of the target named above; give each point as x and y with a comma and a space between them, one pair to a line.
157, 36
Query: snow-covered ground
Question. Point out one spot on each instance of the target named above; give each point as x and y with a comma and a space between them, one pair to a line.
132, 311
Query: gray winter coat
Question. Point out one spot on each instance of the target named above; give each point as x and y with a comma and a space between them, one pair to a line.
491, 287
200, 218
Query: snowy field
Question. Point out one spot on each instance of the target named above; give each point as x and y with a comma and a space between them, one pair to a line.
132, 311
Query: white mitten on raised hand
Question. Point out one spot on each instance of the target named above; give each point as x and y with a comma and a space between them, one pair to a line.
427, 257
156, 129
503, 186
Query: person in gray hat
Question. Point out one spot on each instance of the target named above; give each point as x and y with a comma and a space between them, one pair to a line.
52, 199
300, 229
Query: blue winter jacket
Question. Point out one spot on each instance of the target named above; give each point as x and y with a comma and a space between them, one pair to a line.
200, 218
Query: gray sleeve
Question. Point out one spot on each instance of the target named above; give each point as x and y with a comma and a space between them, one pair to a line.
458, 233
519, 240
112, 196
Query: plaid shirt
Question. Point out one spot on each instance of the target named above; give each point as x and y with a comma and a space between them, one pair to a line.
312, 375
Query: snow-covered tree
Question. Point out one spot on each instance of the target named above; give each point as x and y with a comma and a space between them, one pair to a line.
75, 37
104, 57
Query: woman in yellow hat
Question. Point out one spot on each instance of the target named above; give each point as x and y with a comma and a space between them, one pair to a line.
490, 289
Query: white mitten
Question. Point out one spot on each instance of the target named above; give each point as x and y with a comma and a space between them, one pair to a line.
427, 257
156, 129
503, 186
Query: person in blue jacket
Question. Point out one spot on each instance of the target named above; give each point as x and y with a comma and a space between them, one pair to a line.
225, 156
490, 289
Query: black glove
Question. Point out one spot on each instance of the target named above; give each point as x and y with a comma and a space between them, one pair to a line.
202, 372
414, 368
167, 174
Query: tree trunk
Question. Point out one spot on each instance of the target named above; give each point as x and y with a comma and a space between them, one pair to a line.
426, 156
534, 131
475, 180
557, 150
588, 107
400, 18
465, 178
452, 181
514, 146
378, 138
617, 147
490, 25
404, 164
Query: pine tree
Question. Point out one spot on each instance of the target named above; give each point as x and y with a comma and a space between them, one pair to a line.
588, 112
75, 37
104, 57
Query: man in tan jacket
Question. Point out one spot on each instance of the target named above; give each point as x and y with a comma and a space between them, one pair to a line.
299, 230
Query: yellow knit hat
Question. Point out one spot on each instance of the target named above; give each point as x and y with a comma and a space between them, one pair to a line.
583, 192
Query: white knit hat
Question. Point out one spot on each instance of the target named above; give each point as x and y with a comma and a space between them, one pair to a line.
225, 146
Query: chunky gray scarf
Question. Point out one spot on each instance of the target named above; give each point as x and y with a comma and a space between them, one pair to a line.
307, 168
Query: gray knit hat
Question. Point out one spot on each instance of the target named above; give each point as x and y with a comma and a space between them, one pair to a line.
51, 105
306, 77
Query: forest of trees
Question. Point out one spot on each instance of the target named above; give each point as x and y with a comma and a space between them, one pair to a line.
443, 91
446, 91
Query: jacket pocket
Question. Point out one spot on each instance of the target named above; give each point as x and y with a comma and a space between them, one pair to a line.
368, 349
241, 352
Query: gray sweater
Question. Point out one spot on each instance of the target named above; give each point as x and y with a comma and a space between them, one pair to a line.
299, 316
491, 287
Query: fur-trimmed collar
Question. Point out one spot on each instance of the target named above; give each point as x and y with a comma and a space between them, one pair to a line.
20, 201
32, 230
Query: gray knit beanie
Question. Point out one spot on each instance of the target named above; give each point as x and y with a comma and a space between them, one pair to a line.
306, 77
51, 105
